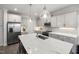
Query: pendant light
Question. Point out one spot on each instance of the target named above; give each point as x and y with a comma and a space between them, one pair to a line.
45, 13
30, 19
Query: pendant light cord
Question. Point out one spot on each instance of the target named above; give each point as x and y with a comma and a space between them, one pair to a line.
44, 7
30, 9
30, 12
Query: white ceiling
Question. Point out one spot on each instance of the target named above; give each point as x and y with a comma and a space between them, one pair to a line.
36, 8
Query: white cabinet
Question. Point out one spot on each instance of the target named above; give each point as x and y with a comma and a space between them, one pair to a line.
14, 18
70, 19
53, 21
60, 20
67, 20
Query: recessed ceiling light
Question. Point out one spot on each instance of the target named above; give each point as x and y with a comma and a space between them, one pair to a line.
15, 9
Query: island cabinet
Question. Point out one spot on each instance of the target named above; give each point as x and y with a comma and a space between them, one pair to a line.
21, 49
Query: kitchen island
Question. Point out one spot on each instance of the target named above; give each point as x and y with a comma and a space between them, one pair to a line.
35, 45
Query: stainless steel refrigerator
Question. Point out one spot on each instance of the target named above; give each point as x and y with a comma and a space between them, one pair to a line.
13, 30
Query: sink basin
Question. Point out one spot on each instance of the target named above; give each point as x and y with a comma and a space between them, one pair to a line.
42, 37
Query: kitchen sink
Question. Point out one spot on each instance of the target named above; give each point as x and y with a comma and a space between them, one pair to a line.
42, 37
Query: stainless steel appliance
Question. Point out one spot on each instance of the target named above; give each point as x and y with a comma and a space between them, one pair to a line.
13, 30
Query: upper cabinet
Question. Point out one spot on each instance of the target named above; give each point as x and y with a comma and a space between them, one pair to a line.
65, 20
70, 19
14, 18
53, 21
60, 20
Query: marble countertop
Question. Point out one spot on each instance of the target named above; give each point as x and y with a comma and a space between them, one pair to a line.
34, 45
65, 34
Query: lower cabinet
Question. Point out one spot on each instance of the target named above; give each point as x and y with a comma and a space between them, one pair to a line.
63, 38
67, 39
21, 49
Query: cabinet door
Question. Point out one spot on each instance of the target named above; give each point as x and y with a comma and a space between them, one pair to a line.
14, 18
17, 18
60, 20
53, 21
70, 19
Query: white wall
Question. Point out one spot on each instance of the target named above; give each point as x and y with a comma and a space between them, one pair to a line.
5, 26
29, 25
1, 28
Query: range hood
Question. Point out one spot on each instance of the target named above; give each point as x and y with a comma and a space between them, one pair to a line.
47, 24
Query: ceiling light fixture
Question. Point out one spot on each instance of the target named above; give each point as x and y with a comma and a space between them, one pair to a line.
15, 9
45, 13
30, 19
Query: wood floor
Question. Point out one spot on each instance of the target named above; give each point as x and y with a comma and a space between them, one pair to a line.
11, 49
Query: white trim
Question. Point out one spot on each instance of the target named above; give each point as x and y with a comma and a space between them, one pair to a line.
5, 26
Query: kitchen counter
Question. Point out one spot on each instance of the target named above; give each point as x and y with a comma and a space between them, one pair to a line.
64, 34
35, 45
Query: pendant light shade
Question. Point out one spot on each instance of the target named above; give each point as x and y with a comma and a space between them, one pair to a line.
30, 19
45, 13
